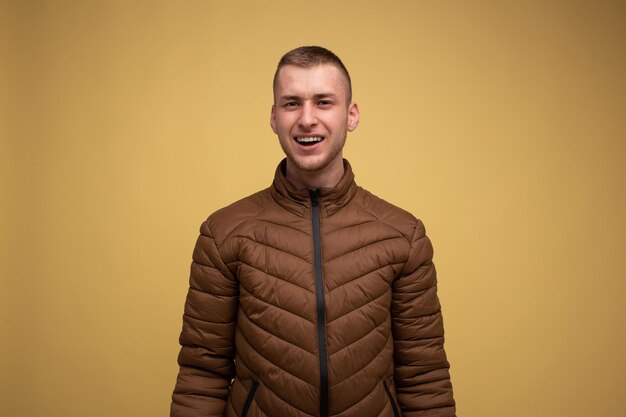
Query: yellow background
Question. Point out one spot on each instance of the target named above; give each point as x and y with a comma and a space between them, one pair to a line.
500, 124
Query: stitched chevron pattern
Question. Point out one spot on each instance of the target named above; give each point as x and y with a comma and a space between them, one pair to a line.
250, 327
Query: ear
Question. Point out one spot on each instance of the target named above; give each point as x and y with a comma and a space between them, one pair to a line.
273, 118
353, 116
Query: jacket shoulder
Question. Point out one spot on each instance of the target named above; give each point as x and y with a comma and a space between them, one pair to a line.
390, 214
223, 222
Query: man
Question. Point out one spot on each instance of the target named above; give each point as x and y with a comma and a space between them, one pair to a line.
312, 297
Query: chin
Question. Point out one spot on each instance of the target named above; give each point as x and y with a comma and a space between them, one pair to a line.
310, 164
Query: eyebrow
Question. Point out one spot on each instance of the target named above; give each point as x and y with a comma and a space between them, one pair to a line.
316, 96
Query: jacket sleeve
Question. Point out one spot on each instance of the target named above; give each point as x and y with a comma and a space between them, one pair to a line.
421, 374
207, 352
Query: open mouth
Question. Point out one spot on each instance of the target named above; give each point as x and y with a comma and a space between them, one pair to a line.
309, 140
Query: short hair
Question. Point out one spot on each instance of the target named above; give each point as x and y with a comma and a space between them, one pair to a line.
309, 56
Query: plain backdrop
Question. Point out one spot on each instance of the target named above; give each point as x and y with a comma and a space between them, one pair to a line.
124, 124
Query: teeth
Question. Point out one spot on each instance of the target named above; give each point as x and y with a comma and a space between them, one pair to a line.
309, 139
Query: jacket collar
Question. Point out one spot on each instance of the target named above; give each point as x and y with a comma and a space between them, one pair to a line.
332, 199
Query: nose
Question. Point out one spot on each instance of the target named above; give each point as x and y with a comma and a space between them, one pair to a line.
308, 117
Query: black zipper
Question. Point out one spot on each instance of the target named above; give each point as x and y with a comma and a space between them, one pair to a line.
396, 413
248, 402
319, 297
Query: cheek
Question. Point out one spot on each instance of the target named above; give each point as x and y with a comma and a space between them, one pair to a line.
284, 124
337, 121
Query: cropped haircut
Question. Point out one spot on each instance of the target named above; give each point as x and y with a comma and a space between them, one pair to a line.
310, 56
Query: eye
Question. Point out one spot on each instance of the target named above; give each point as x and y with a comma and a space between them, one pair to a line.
325, 103
290, 104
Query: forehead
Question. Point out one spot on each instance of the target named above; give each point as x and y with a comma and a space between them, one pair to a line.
323, 78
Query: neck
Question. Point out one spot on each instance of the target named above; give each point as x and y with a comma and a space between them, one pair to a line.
327, 177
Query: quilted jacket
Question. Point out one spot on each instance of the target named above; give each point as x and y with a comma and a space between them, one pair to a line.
312, 303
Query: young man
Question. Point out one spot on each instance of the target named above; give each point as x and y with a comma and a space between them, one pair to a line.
312, 297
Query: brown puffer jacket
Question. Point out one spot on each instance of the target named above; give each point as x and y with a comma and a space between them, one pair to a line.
325, 300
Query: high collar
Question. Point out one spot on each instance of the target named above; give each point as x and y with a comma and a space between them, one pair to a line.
298, 201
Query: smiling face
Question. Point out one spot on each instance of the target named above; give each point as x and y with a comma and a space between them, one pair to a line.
311, 116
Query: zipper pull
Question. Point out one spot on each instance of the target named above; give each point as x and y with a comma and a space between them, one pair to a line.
315, 197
